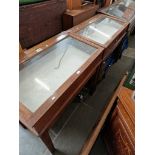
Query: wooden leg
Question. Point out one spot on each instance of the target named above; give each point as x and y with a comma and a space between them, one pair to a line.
93, 81
45, 137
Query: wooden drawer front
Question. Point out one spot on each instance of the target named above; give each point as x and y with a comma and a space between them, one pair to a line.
119, 140
126, 101
126, 120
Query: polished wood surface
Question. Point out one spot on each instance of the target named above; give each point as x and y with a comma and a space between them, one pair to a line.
119, 135
40, 21
74, 4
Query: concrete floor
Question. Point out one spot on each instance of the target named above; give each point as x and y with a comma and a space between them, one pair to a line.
72, 129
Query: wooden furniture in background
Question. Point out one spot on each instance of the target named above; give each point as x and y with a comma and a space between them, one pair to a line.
40, 21
40, 119
20, 49
22, 54
75, 17
107, 3
117, 123
77, 4
100, 123
119, 134
74, 4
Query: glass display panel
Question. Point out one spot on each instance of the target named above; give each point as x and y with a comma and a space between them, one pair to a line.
102, 30
128, 3
120, 10
40, 77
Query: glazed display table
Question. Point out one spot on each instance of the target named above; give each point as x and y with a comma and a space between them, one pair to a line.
103, 31
123, 11
51, 75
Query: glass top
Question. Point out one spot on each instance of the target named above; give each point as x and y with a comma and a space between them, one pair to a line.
102, 30
120, 10
40, 77
128, 3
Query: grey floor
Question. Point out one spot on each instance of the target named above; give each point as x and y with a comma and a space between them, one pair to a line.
72, 129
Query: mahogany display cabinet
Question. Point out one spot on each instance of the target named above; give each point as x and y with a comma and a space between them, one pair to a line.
122, 11
102, 30
51, 74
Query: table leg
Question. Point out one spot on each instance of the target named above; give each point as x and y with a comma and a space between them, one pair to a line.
45, 137
93, 81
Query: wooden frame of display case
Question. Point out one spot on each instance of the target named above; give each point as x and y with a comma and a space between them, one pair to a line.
109, 45
46, 115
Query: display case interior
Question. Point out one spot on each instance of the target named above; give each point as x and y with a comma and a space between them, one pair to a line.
128, 3
101, 30
119, 10
41, 76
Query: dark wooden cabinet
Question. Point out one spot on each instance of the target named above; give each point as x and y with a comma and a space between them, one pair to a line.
116, 125
40, 21
120, 128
